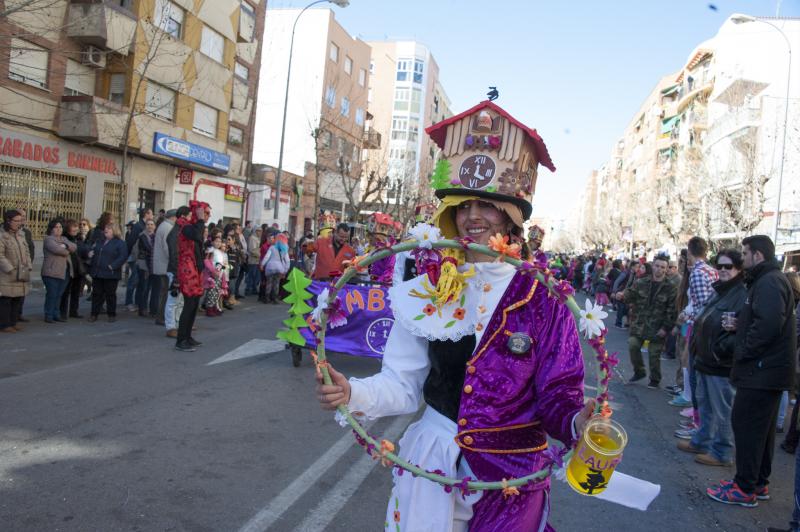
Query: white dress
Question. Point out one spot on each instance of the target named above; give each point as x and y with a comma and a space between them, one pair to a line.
417, 504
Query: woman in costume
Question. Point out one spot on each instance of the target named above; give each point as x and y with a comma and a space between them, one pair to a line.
494, 356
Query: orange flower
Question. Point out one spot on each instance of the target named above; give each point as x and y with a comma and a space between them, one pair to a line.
499, 243
429, 309
482, 309
459, 313
508, 491
479, 327
396, 516
487, 287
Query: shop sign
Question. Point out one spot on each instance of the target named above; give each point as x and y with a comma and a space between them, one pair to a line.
188, 151
234, 193
21, 148
185, 176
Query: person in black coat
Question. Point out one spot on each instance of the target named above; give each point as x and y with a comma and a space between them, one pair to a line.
70, 299
713, 346
763, 367
108, 257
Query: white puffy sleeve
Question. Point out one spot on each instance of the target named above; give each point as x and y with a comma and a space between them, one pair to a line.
397, 389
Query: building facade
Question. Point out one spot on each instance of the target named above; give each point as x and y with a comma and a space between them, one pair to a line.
405, 97
325, 119
173, 80
702, 156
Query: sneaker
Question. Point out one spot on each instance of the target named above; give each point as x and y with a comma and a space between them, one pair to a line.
787, 447
687, 447
687, 423
185, 346
762, 493
732, 494
636, 378
674, 391
687, 412
193, 342
133, 308
680, 401
653, 385
710, 460
674, 388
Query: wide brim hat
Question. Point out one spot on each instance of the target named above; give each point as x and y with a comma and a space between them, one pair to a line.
524, 205
487, 153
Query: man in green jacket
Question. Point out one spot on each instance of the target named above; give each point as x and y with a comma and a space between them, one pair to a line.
652, 303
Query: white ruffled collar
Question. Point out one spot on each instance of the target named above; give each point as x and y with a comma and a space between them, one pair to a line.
454, 320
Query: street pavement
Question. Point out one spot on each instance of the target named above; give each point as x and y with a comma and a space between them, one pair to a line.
104, 427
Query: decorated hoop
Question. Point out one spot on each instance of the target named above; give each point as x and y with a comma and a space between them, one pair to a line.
589, 320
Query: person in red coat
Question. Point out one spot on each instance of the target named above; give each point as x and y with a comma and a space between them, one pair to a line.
332, 252
190, 264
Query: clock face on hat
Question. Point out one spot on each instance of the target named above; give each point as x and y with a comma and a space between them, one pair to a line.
477, 171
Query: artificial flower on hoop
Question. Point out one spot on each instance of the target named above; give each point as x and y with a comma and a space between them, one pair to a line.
336, 315
425, 235
563, 290
356, 263
591, 323
500, 244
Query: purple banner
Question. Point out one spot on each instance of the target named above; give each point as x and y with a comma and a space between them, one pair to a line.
369, 321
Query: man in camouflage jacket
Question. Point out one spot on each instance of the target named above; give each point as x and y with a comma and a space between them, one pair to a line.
652, 299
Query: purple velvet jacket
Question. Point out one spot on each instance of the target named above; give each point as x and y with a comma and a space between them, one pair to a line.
511, 402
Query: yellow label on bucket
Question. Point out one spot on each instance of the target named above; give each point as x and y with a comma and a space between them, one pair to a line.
596, 457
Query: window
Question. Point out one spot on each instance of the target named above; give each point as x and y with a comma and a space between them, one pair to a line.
28, 63
348, 65
235, 136
79, 80
416, 97
362, 77
399, 122
330, 96
345, 106
359, 117
327, 139
160, 101
372, 67
418, 68
403, 66
116, 88
212, 44
402, 94
334, 53
169, 17
241, 71
247, 21
205, 120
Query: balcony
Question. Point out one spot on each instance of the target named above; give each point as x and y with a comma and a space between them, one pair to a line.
372, 139
103, 25
691, 89
697, 118
731, 124
92, 119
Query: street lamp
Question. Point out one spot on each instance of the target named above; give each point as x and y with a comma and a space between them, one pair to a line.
340, 3
743, 19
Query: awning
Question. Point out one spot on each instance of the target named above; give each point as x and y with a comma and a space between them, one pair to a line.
668, 123
670, 90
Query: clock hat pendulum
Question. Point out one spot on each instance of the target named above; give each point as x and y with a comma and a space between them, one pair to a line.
487, 153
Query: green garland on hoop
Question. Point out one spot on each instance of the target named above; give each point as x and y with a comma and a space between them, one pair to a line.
386, 454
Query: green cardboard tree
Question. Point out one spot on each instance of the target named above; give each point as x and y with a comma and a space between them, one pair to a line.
441, 175
296, 284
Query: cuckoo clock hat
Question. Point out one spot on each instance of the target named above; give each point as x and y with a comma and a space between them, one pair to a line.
488, 153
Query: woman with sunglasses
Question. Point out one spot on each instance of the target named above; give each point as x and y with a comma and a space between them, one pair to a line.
712, 343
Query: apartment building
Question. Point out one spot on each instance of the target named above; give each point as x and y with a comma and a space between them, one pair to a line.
405, 97
326, 116
174, 80
703, 153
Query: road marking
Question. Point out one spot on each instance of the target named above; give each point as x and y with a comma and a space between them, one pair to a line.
326, 511
588, 387
253, 348
281, 503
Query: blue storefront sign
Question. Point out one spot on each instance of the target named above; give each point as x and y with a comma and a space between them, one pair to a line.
188, 151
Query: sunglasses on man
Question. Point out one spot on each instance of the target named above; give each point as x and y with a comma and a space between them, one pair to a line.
724, 266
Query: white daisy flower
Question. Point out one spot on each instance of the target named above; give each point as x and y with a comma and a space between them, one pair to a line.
425, 234
591, 323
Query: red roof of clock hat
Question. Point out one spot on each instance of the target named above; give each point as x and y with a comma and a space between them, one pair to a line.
438, 131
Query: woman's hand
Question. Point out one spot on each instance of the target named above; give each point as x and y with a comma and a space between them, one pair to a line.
333, 395
583, 416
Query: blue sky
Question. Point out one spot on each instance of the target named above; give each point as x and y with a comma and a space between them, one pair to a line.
576, 71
